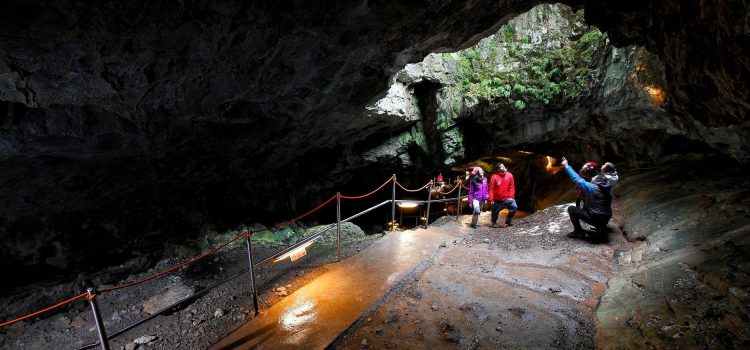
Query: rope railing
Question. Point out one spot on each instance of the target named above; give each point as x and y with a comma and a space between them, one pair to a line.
371, 193
91, 294
417, 190
459, 184
287, 222
160, 274
64, 302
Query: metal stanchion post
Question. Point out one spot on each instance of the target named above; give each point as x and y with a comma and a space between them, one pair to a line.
429, 198
252, 272
338, 226
393, 205
97, 318
458, 201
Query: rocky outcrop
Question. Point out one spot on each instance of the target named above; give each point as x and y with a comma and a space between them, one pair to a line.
704, 48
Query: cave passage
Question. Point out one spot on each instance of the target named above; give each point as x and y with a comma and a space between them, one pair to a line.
134, 134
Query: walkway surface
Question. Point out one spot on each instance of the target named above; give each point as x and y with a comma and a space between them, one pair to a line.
525, 286
528, 286
316, 314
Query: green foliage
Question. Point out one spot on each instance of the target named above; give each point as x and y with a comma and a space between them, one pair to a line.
442, 122
414, 136
544, 75
580, 16
508, 32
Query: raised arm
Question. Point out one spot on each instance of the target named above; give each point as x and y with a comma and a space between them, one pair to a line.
586, 187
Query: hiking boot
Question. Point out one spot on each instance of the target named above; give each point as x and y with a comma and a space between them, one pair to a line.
577, 234
495, 225
508, 223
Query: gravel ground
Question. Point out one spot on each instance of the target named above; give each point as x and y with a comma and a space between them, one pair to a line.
194, 325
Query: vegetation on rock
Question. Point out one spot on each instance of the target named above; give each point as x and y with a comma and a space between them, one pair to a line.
510, 69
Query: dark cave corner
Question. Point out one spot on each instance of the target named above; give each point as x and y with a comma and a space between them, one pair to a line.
426, 94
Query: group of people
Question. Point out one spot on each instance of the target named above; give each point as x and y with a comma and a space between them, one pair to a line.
593, 195
500, 191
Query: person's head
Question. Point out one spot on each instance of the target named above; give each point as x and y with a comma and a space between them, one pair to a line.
476, 170
500, 167
588, 170
589, 166
608, 168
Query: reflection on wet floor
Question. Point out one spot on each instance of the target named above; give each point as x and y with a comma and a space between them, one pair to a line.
317, 313
296, 317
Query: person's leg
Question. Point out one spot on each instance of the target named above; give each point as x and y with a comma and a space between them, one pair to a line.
579, 203
496, 208
600, 225
576, 215
512, 208
477, 209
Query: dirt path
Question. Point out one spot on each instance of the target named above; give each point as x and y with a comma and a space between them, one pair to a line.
525, 286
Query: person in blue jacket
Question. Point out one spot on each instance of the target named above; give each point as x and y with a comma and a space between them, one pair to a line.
597, 208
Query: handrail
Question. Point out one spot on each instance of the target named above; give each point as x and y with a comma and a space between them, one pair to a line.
417, 190
91, 295
307, 239
451, 191
365, 211
287, 222
371, 192
126, 285
446, 200
64, 302
167, 308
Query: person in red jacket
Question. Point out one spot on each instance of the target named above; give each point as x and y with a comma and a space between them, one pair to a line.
502, 194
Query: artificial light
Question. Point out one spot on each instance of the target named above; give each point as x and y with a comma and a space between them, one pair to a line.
407, 205
551, 169
296, 253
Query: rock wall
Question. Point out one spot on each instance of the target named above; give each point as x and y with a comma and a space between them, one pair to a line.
687, 286
704, 46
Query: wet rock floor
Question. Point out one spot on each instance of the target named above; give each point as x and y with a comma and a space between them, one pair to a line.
195, 325
524, 286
